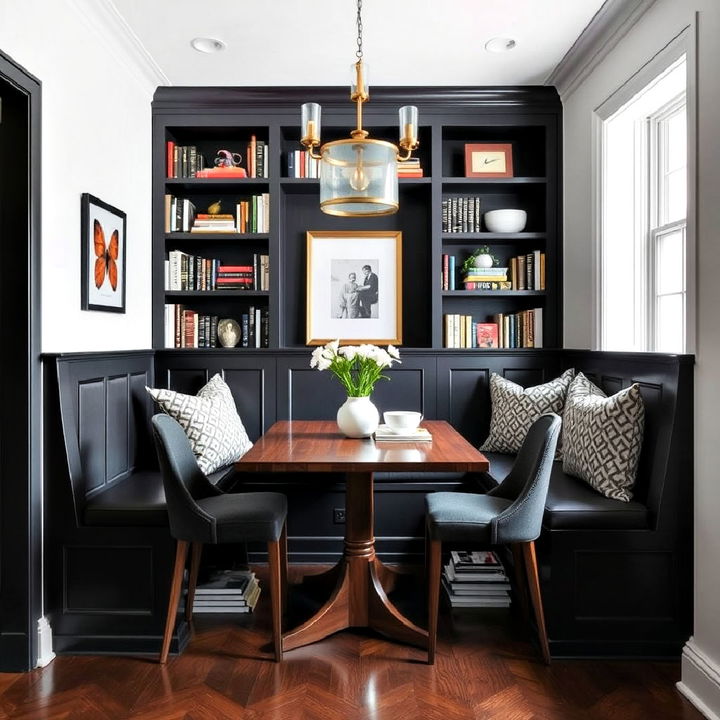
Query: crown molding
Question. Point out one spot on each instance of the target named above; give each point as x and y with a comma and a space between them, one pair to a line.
609, 25
105, 19
185, 100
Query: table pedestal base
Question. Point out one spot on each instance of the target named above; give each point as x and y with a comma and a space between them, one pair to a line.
359, 598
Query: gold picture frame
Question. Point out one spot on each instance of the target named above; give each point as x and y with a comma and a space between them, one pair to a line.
366, 308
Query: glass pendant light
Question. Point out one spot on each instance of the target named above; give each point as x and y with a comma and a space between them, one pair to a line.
358, 175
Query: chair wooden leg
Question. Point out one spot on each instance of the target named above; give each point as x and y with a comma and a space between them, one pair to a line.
520, 579
175, 588
534, 586
433, 600
192, 580
284, 567
275, 595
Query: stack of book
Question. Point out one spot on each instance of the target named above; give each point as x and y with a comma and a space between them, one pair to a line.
527, 272
461, 214
222, 172
522, 329
255, 327
461, 331
253, 214
185, 328
183, 161
179, 214
302, 165
476, 579
410, 168
207, 223
449, 273
185, 272
257, 158
232, 591
245, 277
492, 278
385, 433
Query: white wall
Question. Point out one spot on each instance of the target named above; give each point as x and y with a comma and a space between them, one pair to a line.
664, 20
96, 138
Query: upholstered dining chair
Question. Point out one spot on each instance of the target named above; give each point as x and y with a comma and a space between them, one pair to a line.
510, 514
200, 513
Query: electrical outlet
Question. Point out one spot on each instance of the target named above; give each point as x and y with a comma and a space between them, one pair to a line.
339, 516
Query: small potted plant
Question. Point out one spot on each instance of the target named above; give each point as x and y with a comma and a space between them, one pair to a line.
481, 258
358, 368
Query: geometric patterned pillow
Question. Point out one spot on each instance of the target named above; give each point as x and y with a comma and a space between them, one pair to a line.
210, 421
602, 437
515, 409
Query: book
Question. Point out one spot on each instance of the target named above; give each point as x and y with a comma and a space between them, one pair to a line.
487, 335
385, 434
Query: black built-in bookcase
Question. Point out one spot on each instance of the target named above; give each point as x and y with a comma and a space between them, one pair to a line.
214, 118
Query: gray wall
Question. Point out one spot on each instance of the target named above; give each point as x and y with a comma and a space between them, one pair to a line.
663, 21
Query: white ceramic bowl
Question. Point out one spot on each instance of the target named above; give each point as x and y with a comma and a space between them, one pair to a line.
505, 221
402, 421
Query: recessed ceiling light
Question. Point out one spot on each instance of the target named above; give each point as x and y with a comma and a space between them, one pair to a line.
500, 44
207, 45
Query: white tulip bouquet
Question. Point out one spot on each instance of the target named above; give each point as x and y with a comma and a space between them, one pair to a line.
357, 367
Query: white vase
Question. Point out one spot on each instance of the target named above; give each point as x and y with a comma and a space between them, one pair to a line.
484, 261
357, 417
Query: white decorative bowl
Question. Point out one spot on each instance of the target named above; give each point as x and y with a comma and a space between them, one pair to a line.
402, 421
505, 221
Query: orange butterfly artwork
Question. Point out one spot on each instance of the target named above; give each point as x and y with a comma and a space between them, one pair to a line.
107, 256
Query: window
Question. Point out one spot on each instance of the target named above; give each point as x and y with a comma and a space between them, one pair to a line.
643, 217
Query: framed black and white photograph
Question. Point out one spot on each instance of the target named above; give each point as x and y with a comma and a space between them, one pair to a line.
354, 287
102, 255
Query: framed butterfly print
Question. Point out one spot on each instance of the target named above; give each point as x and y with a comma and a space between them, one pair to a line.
103, 255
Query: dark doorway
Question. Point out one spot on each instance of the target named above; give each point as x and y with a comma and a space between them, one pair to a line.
20, 477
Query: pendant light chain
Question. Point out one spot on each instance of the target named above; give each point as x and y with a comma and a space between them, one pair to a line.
359, 51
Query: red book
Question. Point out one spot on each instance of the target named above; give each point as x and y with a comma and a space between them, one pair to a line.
487, 335
446, 272
170, 158
235, 268
234, 281
222, 172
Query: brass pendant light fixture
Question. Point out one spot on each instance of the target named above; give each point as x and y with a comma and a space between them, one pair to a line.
358, 175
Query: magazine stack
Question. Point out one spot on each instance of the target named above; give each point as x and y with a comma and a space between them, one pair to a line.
476, 579
230, 591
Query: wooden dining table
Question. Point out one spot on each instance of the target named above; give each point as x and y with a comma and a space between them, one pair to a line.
361, 580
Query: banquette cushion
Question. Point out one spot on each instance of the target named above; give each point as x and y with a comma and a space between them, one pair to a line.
571, 503
138, 500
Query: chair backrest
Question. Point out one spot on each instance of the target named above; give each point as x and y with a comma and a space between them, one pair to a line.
527, 484
184, 482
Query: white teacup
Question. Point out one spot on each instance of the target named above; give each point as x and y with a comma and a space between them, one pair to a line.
402, 421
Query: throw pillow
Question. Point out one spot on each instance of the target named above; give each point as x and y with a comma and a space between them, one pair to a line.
210, 420
602, 437
515, 409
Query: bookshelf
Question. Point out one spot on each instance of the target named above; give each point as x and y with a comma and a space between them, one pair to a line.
529, 118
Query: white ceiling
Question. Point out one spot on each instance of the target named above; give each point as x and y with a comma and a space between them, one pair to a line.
406, 42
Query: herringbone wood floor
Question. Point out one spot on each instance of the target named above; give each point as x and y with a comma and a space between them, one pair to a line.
486, 669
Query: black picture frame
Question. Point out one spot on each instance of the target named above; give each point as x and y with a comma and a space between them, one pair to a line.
92, 296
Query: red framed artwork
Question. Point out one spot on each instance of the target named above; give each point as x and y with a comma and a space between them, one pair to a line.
490, 160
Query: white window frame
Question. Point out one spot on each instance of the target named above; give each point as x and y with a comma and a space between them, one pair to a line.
685, 43
656, 229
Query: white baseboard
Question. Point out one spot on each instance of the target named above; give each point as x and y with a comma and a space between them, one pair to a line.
45, 651
700, 682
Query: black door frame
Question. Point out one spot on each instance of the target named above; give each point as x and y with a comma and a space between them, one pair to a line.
20, 418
